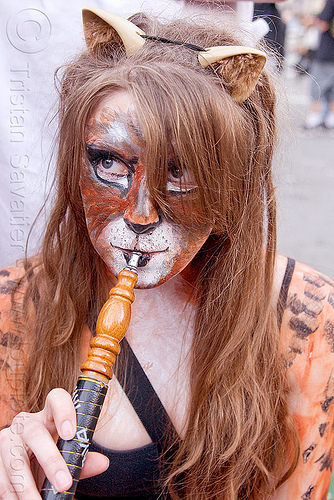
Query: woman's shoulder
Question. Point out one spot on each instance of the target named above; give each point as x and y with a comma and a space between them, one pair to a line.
9, 276
311, 282
12, 286
302, 276
307, 312
17, 276
14, 281
309, 301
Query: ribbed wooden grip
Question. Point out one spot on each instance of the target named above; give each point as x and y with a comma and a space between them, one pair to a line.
111, 326
88, 396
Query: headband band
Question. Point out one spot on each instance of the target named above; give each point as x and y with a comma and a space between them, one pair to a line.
174, 42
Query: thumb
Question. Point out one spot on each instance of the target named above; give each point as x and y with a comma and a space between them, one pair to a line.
95, 463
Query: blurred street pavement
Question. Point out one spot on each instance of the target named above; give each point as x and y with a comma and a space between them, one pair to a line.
304, 174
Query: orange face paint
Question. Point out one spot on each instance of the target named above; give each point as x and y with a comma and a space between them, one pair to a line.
120, 213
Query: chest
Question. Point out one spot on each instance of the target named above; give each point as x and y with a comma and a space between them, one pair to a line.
160, 335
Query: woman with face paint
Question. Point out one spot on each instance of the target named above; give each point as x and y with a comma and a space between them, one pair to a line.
224, 386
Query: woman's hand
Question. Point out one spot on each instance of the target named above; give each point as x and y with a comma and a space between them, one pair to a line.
28, 450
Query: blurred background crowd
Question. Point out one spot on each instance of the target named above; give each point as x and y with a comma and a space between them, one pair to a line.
301, 34
303, 31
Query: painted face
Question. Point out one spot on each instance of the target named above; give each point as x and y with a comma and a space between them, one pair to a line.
120, 214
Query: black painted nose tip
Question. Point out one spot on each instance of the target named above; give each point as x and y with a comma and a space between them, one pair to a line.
142, 228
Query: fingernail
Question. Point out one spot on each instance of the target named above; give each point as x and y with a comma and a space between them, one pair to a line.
62, 481
107, 463
67, 431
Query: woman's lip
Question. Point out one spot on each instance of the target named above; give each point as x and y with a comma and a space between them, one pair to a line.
144, 258
143, 252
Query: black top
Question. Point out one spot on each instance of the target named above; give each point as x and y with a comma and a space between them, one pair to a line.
131, 474
325, 51
135, 474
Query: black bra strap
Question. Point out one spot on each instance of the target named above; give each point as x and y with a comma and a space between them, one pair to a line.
142, 395
283, 294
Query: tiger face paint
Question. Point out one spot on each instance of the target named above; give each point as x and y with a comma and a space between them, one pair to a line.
120, 213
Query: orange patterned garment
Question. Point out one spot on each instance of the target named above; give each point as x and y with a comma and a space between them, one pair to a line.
13, 343
307, 347
307, 344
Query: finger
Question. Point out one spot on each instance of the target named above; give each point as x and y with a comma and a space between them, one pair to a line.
95, 463
6, 488
37, 437
16, 480
59, 414
30, 431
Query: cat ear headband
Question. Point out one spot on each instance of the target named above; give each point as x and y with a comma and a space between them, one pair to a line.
239, 67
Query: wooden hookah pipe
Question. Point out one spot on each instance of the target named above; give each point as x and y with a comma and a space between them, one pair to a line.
92, 385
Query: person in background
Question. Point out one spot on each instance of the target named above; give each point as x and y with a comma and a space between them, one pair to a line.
275, 37
321, 111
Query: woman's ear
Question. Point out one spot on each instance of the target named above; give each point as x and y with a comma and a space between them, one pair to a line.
102, 28
238, 67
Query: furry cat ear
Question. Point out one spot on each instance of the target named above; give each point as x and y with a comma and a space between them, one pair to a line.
239, 68
102, 27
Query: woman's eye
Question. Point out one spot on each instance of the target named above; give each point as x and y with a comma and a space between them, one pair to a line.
109, 168
112, 171
175, 172
107, 163
179, 181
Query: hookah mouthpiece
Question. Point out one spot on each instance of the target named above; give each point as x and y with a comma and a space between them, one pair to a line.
133, 262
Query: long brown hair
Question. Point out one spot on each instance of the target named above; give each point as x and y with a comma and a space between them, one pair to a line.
239, 429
